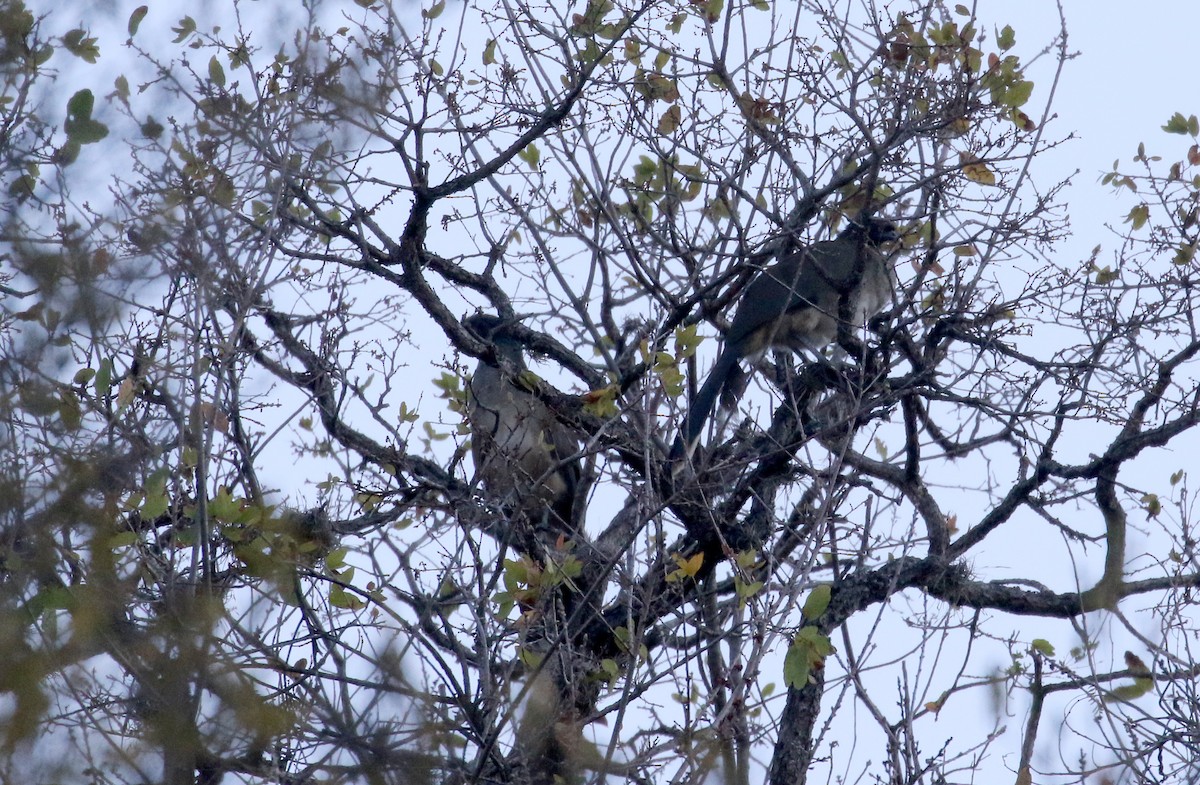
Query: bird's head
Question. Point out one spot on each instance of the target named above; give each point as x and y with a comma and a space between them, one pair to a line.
489, 327
484, 325
495, 330
875, 231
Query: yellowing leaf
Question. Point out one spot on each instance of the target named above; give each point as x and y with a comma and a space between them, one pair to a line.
661, 88
687, 567
1152, 505
633, 50
1135, 665
711, 9
126, 392
1022, 120
975, 170
759, 109
669, 122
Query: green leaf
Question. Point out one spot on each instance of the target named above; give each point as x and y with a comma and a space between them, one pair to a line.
1185, 254
531, 155
1018, 93
1006, 39
1178, 124
83, 47
435, 11
23, 187
340, 598
745, 590
223, 506
103, 380
69, 411
1105, 275
1043, 647
223, 190
89, 132
155, 502
151, 128
1128, 692
795, 668
336, 558
135, 19
81, 104
1138, 216
216, 73
81, 129
809, 649
817, 602
187, 26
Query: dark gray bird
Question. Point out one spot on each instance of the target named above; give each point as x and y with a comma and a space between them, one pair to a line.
794, 305
524, 456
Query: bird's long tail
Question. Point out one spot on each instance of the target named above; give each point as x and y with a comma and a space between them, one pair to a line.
703, 405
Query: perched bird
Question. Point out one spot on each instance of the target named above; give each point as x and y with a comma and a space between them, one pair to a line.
524, 456
795, 305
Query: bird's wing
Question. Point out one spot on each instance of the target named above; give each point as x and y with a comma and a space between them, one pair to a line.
805, 277
835, 262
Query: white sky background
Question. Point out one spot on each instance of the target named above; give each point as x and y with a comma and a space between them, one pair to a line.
1136, 67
